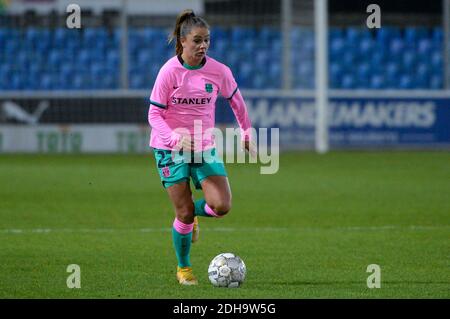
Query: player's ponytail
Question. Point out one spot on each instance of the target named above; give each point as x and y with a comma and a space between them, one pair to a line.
183, 25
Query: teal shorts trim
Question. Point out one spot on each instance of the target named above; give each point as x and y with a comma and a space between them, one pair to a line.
184, 166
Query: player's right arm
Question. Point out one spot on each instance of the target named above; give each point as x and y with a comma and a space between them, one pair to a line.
158, 106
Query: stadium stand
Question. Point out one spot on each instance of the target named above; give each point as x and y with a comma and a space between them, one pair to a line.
36, 58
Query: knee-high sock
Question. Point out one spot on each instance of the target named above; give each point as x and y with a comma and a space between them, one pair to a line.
202, 209
182, 236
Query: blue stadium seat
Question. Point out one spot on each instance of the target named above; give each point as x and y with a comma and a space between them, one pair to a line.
16, 82
423, 70
262, 58
300, 34
436, 82
275, 47
348, 82
424, 47
335, 33
364, 72
348, 59
366, 47
336, 72
248, 48
55, 58
274, 75
409, 60
60, 35
244, 74
233, 57
220, 45
46, 82
337, 47
239, 34
406, 82
219, 33
84, 57
385, 34
355, 35
305, 70
392, 72
137, 81
113, 58
259, 81
437, 36
414, 34
144, 58
377, 82
396, 47
267, 35
81, 82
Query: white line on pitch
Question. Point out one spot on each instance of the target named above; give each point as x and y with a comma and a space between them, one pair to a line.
219, 229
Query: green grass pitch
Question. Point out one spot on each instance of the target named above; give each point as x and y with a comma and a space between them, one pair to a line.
309, 231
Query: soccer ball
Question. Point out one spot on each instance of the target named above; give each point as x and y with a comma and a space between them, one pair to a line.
227, 270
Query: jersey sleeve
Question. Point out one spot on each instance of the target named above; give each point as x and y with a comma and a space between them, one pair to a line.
230, 91
229, 85
160, 91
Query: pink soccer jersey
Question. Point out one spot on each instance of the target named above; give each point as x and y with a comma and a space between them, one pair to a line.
183, 94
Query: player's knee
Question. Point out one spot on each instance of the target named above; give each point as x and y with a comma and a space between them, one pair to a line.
222, 207
185, 213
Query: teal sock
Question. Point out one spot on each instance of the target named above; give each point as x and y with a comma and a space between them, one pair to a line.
182, 244
200, 208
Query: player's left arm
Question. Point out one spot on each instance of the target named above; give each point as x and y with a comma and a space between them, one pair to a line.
231, 91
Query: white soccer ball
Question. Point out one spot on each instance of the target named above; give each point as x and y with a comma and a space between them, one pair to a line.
227, 270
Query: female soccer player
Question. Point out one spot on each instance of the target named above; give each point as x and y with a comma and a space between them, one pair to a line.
185, 91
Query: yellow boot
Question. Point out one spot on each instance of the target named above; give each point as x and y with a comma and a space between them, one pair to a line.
185, 276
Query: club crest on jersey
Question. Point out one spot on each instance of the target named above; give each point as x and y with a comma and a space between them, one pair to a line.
208, 87
166, 171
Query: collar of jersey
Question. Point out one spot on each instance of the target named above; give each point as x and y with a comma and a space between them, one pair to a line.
190, 67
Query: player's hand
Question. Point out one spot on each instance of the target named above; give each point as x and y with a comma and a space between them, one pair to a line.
186, 143
250, 147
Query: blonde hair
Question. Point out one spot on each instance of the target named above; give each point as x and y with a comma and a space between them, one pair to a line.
186, 20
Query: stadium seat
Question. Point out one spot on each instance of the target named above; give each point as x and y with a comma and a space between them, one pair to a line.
409, 60
336, 70
385, 34
274, 78
366, 47
113, 59
364, 72
244, 74
265, 35
436, 61
437, 36
259, 81
219, 33
348, 59
137, 81
262, 57
394, 58
377, 82
406, 82
348, 82
46, 82
355, 35
335, 33
425, 47
239, 34
337, 47
436, 82
414, 34
396, 47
